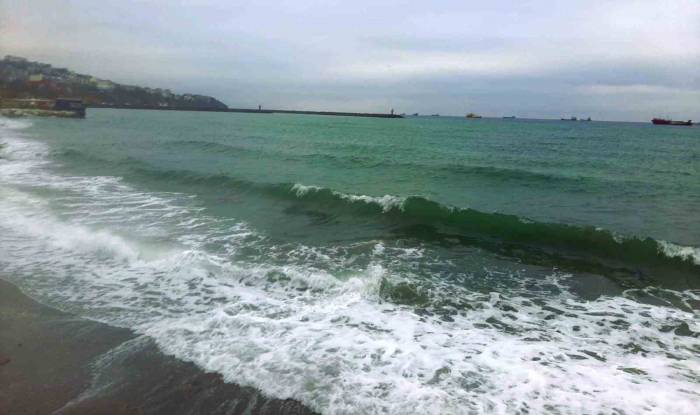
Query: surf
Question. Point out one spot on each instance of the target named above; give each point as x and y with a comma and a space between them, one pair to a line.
439, 314
633, 261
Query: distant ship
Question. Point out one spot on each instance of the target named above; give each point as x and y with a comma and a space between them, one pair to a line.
570, 119
587, 119
665, 121
472, 115
435, 115
512, 117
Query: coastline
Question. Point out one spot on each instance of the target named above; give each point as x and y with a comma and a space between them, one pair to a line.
78, 366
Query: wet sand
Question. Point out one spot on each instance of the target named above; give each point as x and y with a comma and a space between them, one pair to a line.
55, 363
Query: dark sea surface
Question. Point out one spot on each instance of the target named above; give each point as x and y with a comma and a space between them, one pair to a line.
358, 265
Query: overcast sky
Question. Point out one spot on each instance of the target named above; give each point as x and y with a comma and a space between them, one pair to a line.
613, 60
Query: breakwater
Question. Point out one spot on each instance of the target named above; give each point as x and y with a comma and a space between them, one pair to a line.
252, 110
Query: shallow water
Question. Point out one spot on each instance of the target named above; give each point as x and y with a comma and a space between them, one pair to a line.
423, 265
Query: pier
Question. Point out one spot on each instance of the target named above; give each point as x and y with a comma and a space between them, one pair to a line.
258, 110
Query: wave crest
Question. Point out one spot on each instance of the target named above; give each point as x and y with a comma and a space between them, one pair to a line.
584, 248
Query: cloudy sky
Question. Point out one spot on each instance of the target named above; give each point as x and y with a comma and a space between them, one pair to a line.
613, 60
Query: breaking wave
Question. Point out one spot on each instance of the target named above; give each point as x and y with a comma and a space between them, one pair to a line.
511, 229
633, 260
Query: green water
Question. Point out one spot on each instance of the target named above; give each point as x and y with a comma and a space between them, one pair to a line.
635, 179
375, 265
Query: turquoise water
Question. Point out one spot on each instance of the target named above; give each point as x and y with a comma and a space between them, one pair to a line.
418, 265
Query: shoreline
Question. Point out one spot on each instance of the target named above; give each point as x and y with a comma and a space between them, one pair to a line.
79, 366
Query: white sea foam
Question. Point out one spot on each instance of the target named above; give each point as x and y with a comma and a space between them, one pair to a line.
301, 189
685, 252
295, 327
14, 124
65, 236
386, 202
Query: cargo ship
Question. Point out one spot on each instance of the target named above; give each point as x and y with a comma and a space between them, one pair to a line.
472, 115
666, 121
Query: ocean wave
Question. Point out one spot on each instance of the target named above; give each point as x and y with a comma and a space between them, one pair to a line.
510, 233
359, 341
386, 202
519, 175
633, 260
348, 346
14, 124
680, 251
210, 146
492, 173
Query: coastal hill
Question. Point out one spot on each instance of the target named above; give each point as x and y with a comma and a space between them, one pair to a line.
22, 78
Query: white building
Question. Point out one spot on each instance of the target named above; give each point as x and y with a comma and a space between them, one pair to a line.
105, 85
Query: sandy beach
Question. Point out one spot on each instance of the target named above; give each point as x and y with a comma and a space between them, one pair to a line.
55, 363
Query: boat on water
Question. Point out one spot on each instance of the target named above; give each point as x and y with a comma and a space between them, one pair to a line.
511, 117
666, 121
570, 119
587, 119
472, 115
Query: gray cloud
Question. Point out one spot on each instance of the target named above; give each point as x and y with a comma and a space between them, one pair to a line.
610, 60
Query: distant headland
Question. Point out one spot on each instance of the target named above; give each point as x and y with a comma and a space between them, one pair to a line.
22, 79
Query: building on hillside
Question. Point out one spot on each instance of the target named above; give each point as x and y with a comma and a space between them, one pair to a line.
15, 59
81, 79
104, 85
28, 103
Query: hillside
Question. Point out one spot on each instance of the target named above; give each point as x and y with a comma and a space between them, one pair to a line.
22, 78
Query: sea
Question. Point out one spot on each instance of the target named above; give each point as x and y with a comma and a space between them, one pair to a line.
425, 265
